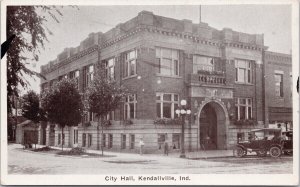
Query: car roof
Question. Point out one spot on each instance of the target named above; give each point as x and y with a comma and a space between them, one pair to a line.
266, 129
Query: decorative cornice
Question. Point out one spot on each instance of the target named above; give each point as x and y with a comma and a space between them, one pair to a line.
181, 35
143, 28
71, 59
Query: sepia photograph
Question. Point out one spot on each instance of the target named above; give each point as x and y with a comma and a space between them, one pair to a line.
140, 93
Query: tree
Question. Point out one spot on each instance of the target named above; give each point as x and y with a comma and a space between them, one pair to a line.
103, 96
62, 104
27, 24
31, 108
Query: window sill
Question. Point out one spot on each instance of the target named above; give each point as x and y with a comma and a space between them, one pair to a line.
168, 76
278, 97
243, 83
129, 77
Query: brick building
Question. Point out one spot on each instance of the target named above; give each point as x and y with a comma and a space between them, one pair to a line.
162, 61
278, 90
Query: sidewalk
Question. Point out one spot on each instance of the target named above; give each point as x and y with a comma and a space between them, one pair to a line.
189, 155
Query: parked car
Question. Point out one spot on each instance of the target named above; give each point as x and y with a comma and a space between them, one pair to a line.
287, 142
261, 141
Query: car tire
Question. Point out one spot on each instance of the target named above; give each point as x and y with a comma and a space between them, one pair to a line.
275, 152
239, 152
261, 152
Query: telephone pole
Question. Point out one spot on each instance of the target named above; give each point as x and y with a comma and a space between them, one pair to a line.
200, 14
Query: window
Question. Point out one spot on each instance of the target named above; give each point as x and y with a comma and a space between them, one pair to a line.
63, 139
104, 140
240, 136
75, 136
166, 104
243, 71
59, 139
130, 63
91, 116
176, 141
243, 108
123, 141
203, 63
161, 139
89, 140
132, 141
168, 60
110, 68
88, 74
130, 107
83, 140
279, 85
85, 117
75, 75
110, 141
110, 115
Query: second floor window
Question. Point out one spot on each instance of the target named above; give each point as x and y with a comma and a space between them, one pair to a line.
243, 71
202, 63
168, 60
88, 74
243, 108
279, 85
130, 63
166, 104
110, 68
110, 115
75, 75
130, 107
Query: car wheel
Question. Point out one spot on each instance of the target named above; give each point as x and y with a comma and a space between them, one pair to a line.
275, 152
239, 152
261, 152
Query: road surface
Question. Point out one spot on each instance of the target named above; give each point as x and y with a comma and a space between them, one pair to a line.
27, 162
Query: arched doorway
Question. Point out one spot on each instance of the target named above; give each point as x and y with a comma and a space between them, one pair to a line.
213, 121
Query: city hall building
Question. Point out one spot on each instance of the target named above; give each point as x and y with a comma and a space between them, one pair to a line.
229, 85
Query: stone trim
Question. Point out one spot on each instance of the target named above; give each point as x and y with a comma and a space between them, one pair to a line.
182, 35
71, 59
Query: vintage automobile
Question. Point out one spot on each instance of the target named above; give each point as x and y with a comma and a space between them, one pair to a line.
287, 142
261, 141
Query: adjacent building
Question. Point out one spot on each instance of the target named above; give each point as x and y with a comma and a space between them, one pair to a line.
227, 78
278, 90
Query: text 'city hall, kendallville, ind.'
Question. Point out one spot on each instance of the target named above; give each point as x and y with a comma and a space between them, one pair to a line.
231, 84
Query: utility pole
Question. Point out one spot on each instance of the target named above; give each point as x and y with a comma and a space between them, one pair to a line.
200, 14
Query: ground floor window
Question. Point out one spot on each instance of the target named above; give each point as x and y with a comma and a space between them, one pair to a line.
110, 141
89, 140
240, 136
123, 141
104, 140
75, 136
132, 141
59, 139
130, 107
176, 141
243, 108
83, 140
63, 139
166, 104
161, 139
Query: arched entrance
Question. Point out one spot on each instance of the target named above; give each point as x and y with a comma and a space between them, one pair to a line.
213, 121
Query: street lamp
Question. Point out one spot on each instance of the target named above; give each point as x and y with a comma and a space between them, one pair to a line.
183, 111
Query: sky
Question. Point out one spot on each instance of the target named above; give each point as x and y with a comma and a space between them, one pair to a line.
274, 21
